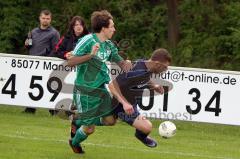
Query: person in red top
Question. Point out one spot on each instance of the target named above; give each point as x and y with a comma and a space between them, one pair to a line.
66, 44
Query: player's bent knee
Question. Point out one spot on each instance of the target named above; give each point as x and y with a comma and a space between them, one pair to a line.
112, 123
148, 127
89, 130
142, 124
109, 121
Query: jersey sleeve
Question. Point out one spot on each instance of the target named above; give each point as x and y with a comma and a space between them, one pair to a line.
83, 46
115, 57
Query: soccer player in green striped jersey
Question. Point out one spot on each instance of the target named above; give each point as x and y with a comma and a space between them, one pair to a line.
90, 95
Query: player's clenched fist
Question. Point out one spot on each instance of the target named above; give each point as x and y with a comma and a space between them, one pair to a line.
95, 49
128, 108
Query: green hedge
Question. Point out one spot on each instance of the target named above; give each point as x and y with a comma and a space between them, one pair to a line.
209, 29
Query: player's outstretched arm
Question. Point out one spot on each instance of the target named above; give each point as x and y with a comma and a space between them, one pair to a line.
125, 65
158, 88
115, 90
76, 60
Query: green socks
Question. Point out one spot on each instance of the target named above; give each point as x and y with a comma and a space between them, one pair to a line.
79, 137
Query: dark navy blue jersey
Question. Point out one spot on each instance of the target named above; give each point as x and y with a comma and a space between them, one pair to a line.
134, 82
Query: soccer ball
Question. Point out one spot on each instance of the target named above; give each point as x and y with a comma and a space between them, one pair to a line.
167, 129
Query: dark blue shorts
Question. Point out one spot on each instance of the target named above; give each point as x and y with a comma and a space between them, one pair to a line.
120, 113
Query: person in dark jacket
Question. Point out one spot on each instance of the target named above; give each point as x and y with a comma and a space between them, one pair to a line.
43, 38
41, 41
66, 44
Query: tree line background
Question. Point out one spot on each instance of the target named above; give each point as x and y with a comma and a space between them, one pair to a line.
198, 33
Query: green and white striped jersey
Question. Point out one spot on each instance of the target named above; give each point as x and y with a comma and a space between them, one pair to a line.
94, 73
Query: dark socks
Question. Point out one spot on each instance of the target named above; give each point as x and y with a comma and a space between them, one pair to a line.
140, 135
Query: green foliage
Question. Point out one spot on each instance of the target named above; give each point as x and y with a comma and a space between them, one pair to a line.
209, 35
11, 25
209, 29
144, 24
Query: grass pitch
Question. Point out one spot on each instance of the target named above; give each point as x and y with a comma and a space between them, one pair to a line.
41, 136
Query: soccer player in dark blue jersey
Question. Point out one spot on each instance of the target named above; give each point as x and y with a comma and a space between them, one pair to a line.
127, 87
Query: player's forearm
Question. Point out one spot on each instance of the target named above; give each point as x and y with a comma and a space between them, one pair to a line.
115, 90
76, 60
125, 65
121, 64
156, 87
151, 84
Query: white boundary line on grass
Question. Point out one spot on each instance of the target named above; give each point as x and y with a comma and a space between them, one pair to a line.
120, 147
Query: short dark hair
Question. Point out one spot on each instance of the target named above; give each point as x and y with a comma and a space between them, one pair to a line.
161, 55
100, 19
72, 23
45, 12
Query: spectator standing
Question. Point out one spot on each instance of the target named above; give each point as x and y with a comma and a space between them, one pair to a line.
76, 30
41, 41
